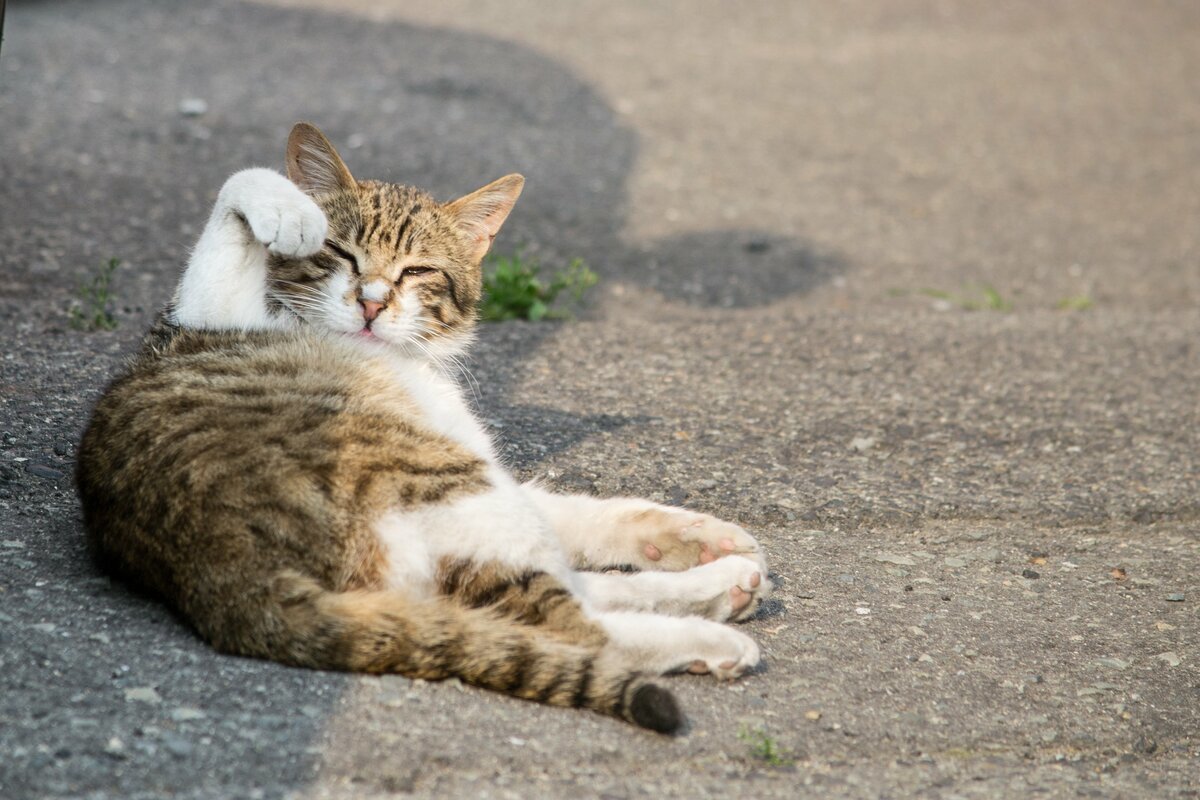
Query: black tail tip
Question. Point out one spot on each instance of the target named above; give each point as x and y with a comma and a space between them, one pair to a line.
655, 708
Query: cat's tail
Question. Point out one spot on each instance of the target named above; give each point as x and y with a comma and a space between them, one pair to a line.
434, 639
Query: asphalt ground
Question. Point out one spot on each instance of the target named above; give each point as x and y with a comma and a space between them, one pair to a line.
834, 243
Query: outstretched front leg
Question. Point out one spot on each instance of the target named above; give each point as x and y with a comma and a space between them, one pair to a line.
258, 211
600, 533
728, 589
659, 644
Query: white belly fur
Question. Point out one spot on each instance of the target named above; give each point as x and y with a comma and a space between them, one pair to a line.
500, 525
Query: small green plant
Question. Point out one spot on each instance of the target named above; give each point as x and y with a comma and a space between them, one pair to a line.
513, 290
763, 747
1077, 303
987, 299
92, 311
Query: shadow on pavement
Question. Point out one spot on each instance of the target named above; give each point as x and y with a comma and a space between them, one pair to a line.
100, 161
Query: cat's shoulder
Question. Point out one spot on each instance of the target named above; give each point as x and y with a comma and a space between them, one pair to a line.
166, 338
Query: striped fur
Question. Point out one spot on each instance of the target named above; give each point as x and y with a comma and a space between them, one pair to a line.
239, 467
287, 465
237, 475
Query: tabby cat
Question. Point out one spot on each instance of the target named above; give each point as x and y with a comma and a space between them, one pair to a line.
288, 464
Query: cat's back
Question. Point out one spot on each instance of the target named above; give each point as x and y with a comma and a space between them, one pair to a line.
187, 378
257, 452
201, 392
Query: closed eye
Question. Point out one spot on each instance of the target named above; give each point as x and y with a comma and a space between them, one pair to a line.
344, 254
416, 271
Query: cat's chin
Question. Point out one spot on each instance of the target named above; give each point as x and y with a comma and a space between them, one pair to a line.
436, 351
363, 335
369, 338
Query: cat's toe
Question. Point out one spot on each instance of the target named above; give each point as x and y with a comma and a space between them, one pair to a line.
715, 538
728, 659
749, 588
301, 231
735, 667
264, 222
287, 222
739, 599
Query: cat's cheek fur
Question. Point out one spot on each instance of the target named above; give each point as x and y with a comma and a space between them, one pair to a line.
339, 309
399, 323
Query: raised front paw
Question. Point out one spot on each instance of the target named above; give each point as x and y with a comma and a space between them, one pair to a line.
279, 215
290, 225
677, 539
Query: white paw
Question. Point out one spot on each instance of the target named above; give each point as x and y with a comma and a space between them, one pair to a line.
676, 539
724, 653
290, 226
735, 586
280, 216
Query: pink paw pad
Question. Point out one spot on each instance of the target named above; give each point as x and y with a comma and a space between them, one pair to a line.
739, 598
699, 667
725, 547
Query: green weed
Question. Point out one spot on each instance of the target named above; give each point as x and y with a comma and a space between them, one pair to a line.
1077, 303
93, 311
986, 298
763, 747
512, 289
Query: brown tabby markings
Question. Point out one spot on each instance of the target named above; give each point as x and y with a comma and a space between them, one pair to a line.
383, 226
530, 597
380, 230
238, 475
267, 549
251, 432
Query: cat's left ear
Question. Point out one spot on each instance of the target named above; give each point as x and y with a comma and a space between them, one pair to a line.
313, 164
481, 213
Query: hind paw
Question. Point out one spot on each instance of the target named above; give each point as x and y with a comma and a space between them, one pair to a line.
676, 539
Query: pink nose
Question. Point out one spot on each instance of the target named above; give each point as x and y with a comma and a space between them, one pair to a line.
370, 309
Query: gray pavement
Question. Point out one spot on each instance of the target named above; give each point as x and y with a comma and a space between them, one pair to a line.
984, 523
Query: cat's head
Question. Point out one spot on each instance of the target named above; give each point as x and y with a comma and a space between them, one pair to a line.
397, 265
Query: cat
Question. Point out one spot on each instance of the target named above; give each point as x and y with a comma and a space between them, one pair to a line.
289, 465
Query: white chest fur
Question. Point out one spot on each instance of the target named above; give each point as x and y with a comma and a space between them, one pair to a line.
442, 406
500, 524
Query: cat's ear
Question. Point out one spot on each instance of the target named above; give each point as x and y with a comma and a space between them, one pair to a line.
483, 211
313, 164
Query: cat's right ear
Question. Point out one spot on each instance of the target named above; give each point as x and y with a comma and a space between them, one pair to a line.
313, 164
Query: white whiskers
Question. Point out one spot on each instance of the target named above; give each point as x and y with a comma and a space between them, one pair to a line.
446, 358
